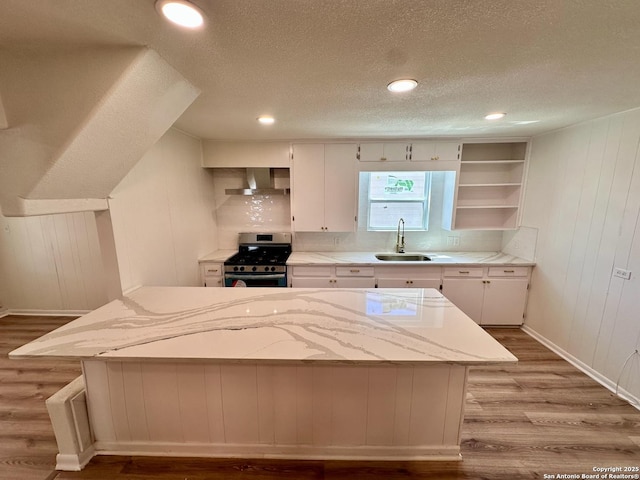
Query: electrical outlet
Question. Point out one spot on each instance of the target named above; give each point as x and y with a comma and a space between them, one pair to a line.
622, 273
453, 241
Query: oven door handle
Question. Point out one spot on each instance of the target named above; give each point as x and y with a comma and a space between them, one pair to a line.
234, 276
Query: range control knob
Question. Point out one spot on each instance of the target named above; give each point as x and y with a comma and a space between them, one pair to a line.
266, 269
253, 269
273, 269
242, 269
235, 269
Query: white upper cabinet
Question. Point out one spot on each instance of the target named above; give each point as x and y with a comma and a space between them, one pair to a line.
323, 185
434, 151
383, 152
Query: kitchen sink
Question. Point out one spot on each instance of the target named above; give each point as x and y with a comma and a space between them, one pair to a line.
402, 257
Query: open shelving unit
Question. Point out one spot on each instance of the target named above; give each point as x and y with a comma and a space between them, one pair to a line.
490, 186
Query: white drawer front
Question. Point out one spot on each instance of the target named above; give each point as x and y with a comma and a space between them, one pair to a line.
508, 271
210, 270
474, 272
409, 271
354, 271
320, 271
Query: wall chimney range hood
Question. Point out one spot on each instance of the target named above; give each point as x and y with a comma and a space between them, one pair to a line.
260, 182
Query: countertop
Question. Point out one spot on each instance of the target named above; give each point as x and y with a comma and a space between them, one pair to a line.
275, 325
444, 258
368, 258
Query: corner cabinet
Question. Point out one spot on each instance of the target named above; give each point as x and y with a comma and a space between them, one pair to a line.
489, 187
323, 184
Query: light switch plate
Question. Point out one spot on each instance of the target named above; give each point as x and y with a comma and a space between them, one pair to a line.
622, 273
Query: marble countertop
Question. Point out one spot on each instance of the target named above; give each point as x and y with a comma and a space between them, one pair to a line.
368, 258
444, 258
218, 256
275, 325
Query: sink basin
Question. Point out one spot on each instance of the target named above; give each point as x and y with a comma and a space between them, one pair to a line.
402, 257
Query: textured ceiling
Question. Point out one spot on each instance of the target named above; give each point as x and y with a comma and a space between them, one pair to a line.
321, 66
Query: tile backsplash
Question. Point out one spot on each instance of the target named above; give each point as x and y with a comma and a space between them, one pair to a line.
261, 213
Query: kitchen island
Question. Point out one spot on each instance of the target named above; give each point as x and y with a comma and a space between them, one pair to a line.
375, 374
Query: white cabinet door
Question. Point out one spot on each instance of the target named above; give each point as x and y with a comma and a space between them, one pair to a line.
504, 301
311, 282
355, 282
467, 294
340, 187
333, 282
324, 188
384, 152
386, 282
308, 187
434, 151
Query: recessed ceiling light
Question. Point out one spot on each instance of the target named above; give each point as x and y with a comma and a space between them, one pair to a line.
494, 116
181, 12
403, 85
266, 119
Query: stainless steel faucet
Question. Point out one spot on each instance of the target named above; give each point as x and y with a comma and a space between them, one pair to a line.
400, 238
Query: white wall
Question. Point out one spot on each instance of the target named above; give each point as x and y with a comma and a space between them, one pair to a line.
583, 197
237, 214
255, 213
50, 264
163, 215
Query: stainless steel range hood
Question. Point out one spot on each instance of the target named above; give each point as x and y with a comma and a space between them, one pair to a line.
259, 182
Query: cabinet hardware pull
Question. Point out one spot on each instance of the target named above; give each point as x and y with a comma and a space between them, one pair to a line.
463, 271
383, 159
354, 270
509, 271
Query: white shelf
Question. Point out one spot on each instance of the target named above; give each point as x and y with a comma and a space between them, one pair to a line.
489, 186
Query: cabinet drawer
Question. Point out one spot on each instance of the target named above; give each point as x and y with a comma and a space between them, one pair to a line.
321, 271
354, 271
212, 269
508, 271
409, 271
474, 272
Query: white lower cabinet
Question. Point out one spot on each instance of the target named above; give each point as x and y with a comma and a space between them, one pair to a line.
408, 277
212, 274
489, 296
332, 277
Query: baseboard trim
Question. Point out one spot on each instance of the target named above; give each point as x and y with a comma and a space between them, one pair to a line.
47, 313
291, 452
4, 312
584, 368
74, 462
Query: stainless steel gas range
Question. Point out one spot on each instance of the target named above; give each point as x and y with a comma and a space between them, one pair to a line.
261, 261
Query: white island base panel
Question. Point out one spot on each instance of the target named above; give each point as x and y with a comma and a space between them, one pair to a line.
381, 412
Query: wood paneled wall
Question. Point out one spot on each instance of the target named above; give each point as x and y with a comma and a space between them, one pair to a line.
51, 263
163, 215
583, 195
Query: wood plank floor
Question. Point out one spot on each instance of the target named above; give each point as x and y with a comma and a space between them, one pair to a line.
539, 417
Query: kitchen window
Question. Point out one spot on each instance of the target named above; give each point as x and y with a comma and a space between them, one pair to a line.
394, 195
